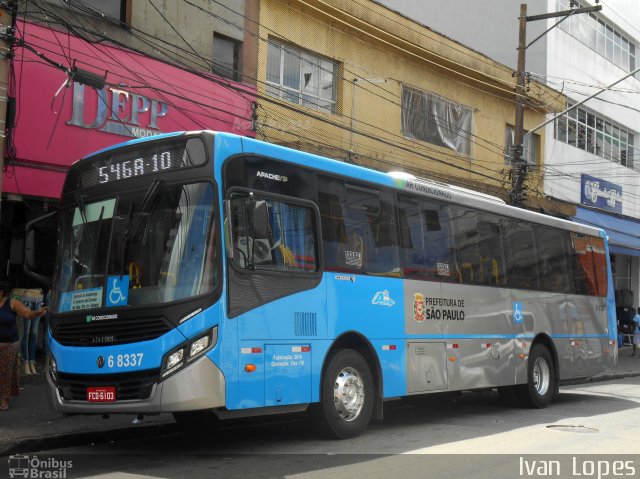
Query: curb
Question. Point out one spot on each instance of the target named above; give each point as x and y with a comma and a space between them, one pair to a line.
56, 441
604, 377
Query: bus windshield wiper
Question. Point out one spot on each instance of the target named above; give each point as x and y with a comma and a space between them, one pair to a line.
131, 229
96, 243
144, 205
82, 207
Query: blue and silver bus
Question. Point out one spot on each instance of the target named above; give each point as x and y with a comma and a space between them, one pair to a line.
207, 274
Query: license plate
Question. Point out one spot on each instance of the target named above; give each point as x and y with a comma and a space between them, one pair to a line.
101, 394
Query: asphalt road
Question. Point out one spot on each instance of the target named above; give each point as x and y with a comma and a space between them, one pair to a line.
592, 430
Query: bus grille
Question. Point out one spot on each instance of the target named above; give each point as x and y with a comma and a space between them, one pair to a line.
305, 324
129, 386
105, 333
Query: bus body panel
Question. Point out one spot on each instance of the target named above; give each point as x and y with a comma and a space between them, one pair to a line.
200, 385
427, 336
139, 356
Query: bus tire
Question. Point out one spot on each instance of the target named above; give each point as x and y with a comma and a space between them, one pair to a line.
541, 384
346, 397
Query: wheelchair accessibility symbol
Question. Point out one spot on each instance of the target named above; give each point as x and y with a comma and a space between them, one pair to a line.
518, 317
117, 291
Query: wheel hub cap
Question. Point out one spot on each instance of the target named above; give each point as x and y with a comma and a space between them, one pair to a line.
348, 394
541, 376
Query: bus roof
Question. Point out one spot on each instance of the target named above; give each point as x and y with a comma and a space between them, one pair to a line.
397, 180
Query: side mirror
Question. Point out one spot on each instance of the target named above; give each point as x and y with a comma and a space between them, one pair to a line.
40, 247
260, 219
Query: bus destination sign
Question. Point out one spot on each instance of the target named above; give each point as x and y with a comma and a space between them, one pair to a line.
156, 158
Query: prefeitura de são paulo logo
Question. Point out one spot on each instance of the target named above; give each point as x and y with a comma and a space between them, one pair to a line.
418, 307
33, 467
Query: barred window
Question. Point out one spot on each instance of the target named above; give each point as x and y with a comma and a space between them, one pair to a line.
431, 118
301, 77
596, 134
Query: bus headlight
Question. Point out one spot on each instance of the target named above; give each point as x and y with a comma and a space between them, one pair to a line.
187, 352
174, 361
199, 345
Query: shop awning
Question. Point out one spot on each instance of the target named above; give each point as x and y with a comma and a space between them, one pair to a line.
624, 235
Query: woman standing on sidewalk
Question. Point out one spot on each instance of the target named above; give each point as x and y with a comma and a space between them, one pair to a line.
9, 308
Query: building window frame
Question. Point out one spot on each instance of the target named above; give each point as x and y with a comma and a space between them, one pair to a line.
601, 36
302, 89
224, 69
424, 125
596, 134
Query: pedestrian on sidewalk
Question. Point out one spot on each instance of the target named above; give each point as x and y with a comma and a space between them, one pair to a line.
636, 334
10, 307
31, 299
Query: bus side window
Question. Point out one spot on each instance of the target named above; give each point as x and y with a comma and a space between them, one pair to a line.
521, 254
334, 235
491, 251
581, 263
359, 228
554, 269
600, 265
588, 261
289, 243
425, 240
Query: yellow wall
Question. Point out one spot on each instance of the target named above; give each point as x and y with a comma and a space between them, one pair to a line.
371, 42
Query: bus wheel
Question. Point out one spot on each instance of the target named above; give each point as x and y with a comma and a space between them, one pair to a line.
541, 384
346, 402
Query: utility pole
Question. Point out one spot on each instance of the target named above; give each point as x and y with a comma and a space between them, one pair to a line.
7, 27
519, 165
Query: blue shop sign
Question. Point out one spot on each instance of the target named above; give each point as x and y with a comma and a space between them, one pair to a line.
598, 193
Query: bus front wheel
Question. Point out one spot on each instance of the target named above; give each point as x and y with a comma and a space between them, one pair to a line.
346, 402
541, 384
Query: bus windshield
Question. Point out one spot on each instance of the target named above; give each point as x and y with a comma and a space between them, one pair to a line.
141, 247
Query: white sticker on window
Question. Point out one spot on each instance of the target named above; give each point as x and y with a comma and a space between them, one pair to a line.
443, 269
353, 258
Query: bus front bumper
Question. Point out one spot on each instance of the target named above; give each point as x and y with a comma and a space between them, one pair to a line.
200, 385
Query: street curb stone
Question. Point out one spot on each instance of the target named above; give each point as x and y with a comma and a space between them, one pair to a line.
56, 441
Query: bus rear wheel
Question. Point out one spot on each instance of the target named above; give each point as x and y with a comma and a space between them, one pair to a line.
542, 382
346, 402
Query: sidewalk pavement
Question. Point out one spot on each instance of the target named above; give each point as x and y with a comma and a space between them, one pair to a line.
29, 425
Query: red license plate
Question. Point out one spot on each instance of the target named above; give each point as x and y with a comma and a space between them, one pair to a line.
101, 394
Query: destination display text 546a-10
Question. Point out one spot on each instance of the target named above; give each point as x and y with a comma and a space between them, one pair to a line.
122, 169
145, 160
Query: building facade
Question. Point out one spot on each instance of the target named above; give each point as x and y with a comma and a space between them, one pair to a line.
352, 80
99, 73
359, 82
592, 153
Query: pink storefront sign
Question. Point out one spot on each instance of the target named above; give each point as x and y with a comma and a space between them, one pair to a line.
59, 120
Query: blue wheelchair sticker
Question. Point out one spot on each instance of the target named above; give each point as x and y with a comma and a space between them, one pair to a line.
117, 291
518, 316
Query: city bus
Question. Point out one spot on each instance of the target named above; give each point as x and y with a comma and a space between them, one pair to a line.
207, 274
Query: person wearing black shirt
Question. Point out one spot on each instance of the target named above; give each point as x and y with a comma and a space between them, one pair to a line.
9, 309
